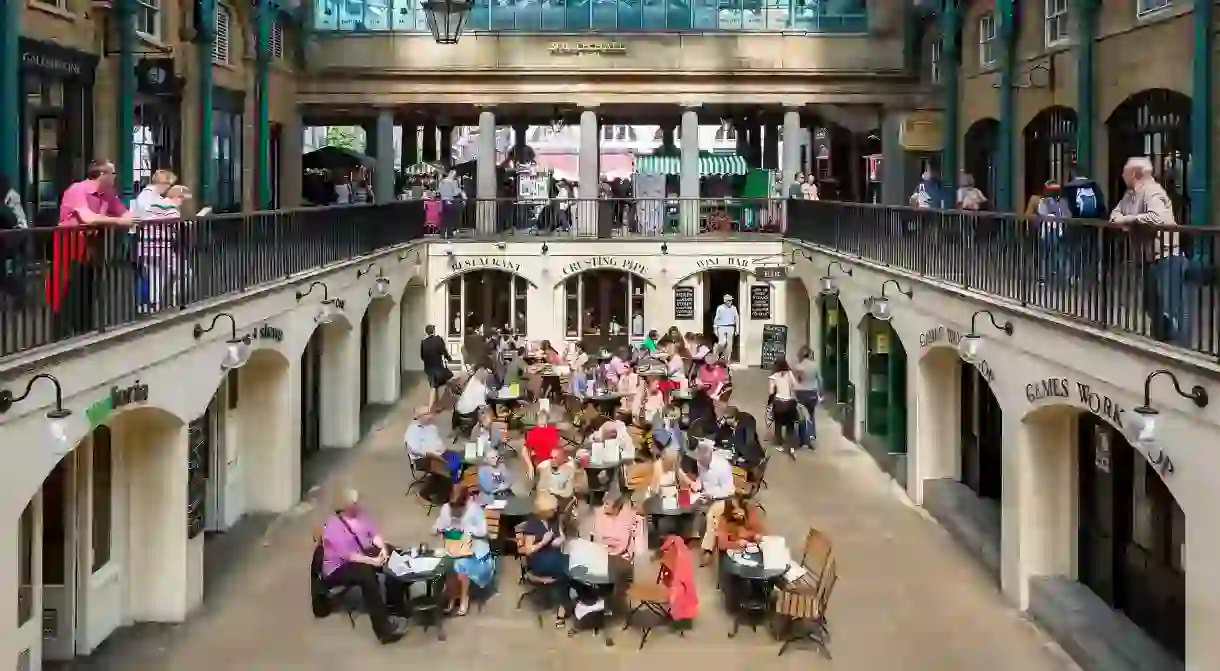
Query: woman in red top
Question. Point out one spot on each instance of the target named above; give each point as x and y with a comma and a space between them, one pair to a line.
540, 442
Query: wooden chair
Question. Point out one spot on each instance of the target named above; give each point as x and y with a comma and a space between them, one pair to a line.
802, 612
816, 555
655, 598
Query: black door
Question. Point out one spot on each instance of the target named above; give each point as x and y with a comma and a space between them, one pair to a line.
364, 360
982, 437
1104, 464
716, 285
311, 397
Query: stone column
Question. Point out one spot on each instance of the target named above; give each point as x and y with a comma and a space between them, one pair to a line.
585, 209
485, 173
385, 338
410, 145
383, 175
340, 385
792, 143
429, 142
770, 149
445, 154
689, 179
754, 149
743, 138
899, 171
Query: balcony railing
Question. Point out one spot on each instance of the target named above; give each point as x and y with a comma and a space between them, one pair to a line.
1156, 282
59, 283
603, 217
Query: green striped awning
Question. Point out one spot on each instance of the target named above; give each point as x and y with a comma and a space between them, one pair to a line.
715, 164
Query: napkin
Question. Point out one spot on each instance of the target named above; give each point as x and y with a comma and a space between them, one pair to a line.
472, 451
775, 553
498, 504
612, 451
592, 556
484, 441
544, 406
597, 452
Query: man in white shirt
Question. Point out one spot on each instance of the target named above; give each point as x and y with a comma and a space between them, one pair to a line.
474, 395
727, 324
422, 437
715, 482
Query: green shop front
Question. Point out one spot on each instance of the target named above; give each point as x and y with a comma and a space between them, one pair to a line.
885, 426
839, 392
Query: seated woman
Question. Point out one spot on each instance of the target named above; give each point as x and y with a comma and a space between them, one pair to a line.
494, 479
651, 405
473, 397
629, 385
577, 360
488, 430
739, 524
464, 528
549, 354
614, 429
616, 525
667, 433
542, 546
676, 367
353, 553
541, 442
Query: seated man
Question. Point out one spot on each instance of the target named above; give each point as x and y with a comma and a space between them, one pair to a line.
614, 429
667, 431
740, 430
715, 483
422, 437
541, 442
557, 477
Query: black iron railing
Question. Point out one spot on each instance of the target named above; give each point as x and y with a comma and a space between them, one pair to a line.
604, 217
1157, 282
58, 283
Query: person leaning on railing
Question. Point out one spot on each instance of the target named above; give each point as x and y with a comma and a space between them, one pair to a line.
1147, 207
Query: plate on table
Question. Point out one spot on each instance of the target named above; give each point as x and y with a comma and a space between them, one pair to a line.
751, 548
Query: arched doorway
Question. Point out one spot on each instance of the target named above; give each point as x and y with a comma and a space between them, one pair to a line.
982, 435
1131, 534
979, 147
363, 381
482, 300
885, 425
836, 361
799, 318
311, 400
603, 308
1050, 148
1154, 123
718, 283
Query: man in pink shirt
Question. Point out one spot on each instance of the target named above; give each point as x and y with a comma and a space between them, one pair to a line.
70, 286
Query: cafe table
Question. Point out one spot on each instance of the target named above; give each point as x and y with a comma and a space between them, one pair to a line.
607, 402
749, 590
669, 520
600, 584
429, 605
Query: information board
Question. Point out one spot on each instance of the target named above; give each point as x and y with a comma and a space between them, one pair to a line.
774, 344
684, 302
760, 301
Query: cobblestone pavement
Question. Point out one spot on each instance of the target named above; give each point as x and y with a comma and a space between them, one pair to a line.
908, 598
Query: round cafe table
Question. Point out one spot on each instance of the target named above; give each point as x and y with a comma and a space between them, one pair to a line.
606, 403
428, 606
603, 585
749, 588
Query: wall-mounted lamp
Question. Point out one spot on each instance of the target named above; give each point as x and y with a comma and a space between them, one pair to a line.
545, 249
368, 269
829, 287
56, 425
881, 304
448, 249
664, 248
413, 251
1145, 415
971, 344
237, 350
330, 306
380, 288
501, 245
798, 252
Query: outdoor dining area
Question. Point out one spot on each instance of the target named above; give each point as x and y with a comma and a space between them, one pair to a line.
601, 504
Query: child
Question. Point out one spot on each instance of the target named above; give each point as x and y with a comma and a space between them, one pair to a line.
432, 214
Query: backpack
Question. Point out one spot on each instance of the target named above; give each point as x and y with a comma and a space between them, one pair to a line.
319, 596
1087, 205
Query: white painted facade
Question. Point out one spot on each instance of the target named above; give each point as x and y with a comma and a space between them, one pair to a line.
154, 572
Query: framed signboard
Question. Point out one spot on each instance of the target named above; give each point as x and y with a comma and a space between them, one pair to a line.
684, 302
760, 301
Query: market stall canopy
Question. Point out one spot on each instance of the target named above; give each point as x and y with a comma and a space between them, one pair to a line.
709, 164
422, 168
336, 158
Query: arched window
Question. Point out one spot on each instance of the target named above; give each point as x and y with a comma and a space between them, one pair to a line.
980, 146
1154, 123
1050, 148
603, 307
482, 300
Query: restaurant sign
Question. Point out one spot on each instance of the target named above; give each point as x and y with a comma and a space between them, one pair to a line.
483, 262
607, 263
101, 410
739, 262
588, 49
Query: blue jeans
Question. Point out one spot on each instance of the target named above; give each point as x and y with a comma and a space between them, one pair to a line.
1054, 256
1167, 299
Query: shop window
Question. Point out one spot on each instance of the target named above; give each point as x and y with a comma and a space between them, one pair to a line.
220, 46
987, 39
603, 303
103, 485
483, 300
226, 148
148, 18
154, 139
25, 568
1056, 22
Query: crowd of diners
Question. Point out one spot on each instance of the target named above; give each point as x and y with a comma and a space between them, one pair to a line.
665, 403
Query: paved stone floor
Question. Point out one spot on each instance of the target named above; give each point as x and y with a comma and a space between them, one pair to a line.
908, 598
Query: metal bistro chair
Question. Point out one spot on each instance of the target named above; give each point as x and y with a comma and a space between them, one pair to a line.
538, 589
803, 612
655, 598
437, 485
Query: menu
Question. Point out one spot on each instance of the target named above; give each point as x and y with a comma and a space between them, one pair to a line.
684, 302
760, 301
774, 344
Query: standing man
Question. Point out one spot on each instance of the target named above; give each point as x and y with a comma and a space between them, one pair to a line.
435, 356
71, 285
450, 192
726, 324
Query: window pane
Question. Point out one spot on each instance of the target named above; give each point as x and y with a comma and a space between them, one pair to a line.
454, 318
102, 496
25, 554
519, 303
591, 318
571, 302
637, 308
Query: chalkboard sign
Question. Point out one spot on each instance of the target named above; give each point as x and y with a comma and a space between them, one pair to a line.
684, 302
760, 301
774, 344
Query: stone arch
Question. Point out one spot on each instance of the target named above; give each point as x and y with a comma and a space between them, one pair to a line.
680, 280
1154, 123
268, 459
980, 148
799, 314
1049, 146
639, 275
